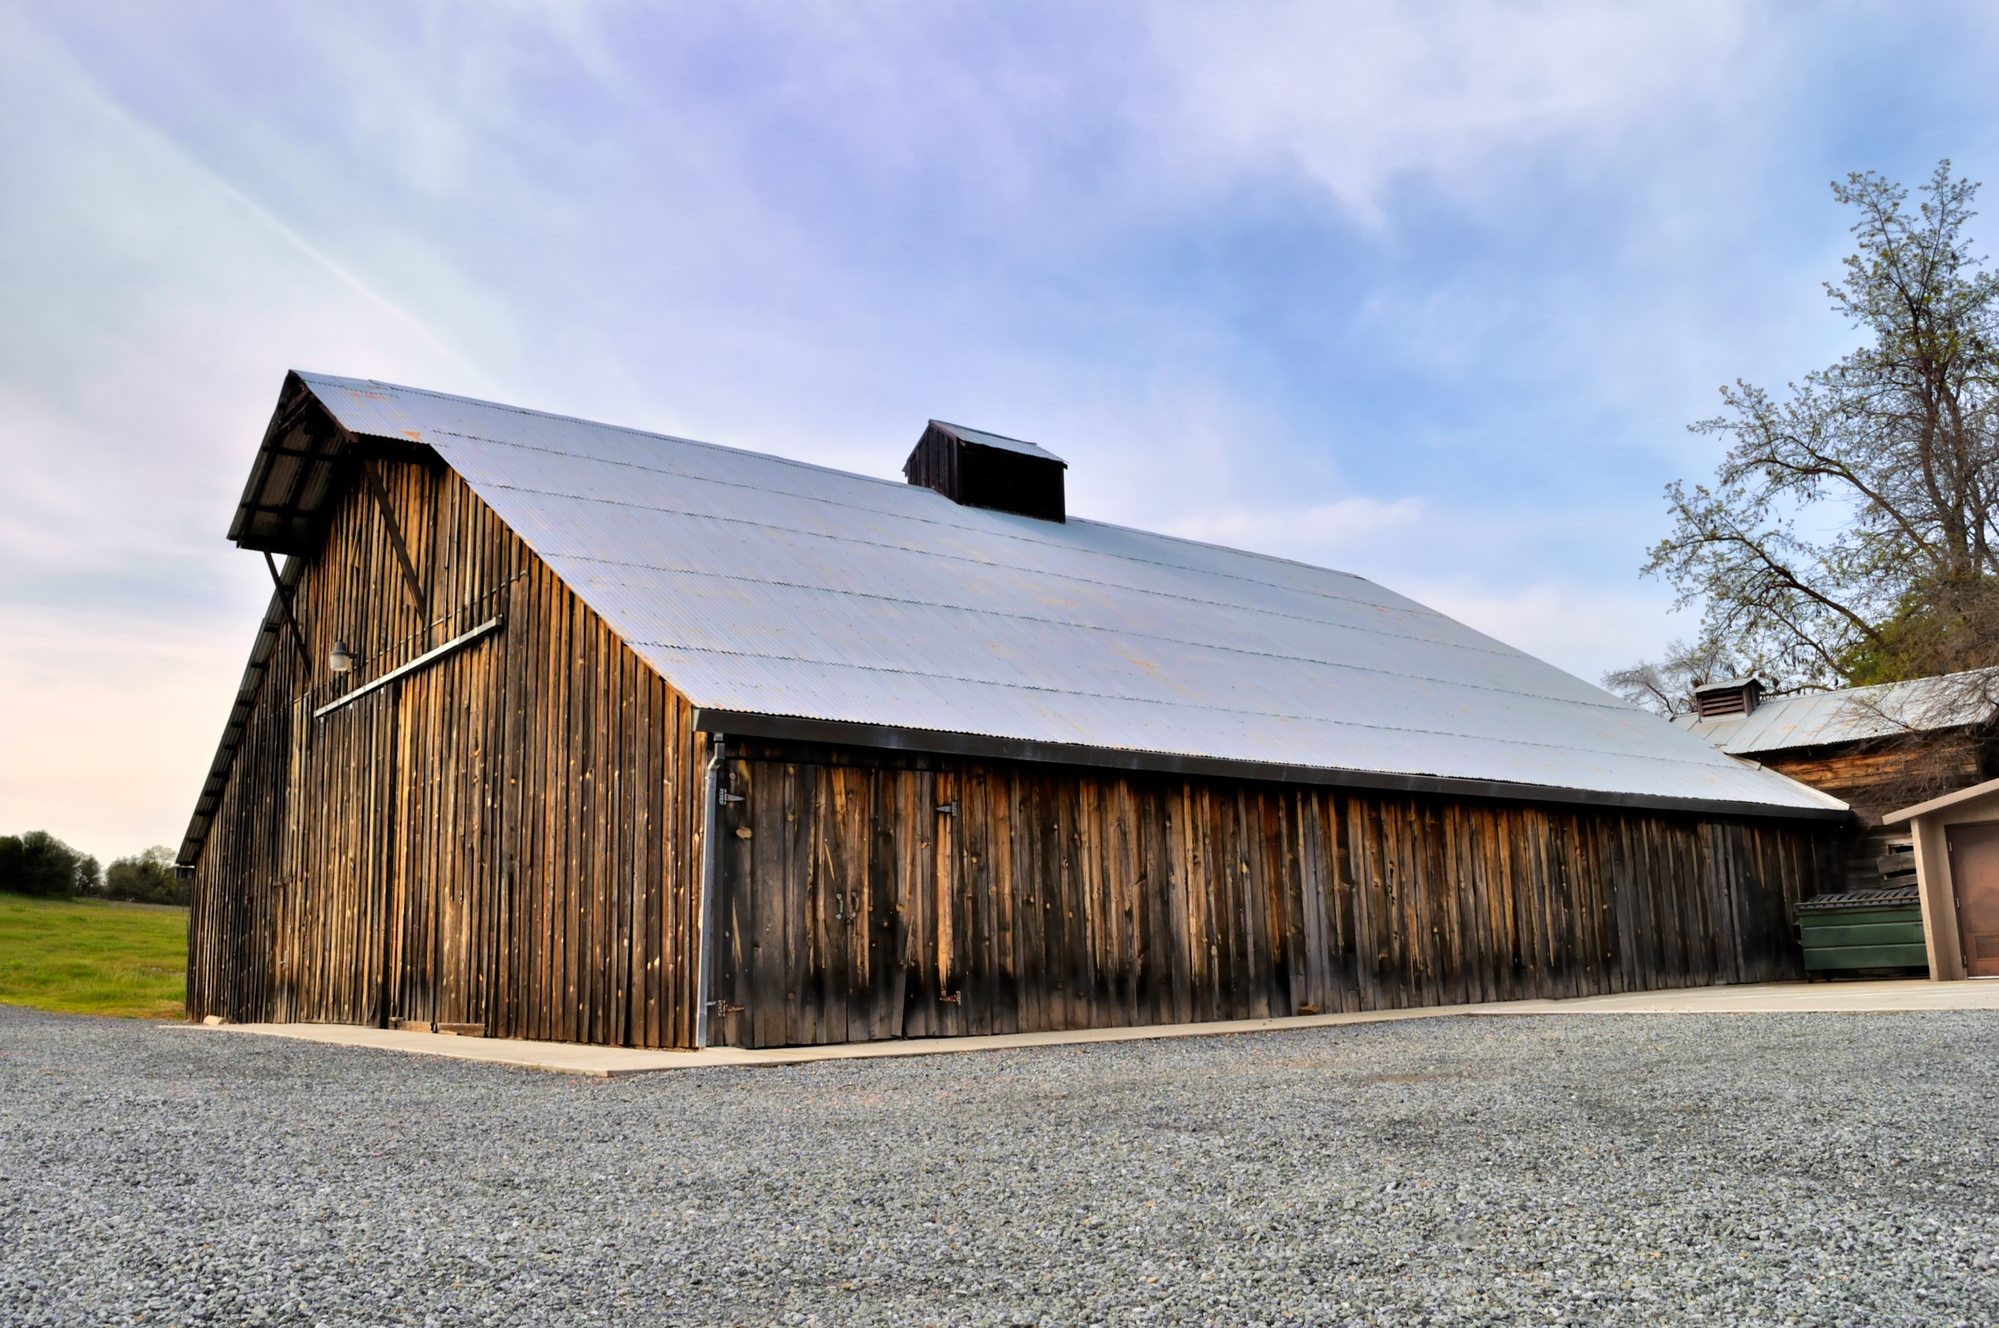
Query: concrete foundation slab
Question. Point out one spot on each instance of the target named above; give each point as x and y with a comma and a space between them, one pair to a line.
574, 1058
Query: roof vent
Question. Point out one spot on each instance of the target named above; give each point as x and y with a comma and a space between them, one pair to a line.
985, 470
1731, 696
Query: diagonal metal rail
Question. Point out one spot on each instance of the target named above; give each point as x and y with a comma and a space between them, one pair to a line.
424, 660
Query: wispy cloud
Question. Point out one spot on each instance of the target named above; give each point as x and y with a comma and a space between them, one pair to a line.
1588, 629
150, 310
1358, 97
1423, 290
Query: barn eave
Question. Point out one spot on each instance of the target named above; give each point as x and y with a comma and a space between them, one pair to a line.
791, 728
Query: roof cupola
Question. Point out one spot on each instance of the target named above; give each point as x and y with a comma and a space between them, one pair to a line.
1731, 696
979, 469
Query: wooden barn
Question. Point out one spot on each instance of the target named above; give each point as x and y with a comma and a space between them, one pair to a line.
559, 730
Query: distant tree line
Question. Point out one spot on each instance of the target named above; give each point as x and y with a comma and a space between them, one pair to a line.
37, 863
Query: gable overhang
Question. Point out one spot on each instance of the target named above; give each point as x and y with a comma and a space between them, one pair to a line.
217, 781
303, 469
300, 474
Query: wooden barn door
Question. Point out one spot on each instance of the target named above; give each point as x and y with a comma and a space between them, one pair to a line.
827, 912
339, 924
448, 791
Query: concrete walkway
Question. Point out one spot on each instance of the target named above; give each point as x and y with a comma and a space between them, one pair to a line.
1774, 998
573, 1058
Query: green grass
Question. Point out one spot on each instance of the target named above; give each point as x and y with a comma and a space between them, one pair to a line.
86, 956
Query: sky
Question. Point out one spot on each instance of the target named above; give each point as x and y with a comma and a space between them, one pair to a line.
1423, 291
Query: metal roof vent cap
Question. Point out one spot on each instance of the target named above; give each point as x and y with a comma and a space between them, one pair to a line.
1730, 696
978, 469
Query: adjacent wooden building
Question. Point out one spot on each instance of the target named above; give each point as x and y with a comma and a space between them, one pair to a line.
1876, 748
558, 730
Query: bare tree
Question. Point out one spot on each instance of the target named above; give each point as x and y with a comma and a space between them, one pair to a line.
1849, 535
1667, 687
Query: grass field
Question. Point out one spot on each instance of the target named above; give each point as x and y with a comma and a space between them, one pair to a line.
91, 957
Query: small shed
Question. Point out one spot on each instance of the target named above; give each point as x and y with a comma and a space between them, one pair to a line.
557, 729
1957, 877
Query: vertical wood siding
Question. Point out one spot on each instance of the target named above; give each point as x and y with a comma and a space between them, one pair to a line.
854, 908
510, 839
507, 839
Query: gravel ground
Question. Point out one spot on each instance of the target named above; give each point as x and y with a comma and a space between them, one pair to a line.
1815, 1169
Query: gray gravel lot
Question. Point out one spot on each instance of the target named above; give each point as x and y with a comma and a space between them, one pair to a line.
1817, 1169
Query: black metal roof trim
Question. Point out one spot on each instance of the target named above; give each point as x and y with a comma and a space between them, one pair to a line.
792, 728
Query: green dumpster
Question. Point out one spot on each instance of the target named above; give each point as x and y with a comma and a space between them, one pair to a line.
1863, 929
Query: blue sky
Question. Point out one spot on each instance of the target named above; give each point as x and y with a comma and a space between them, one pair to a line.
1426, 291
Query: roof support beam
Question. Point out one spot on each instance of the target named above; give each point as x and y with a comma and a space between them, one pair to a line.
285, 599
381, 497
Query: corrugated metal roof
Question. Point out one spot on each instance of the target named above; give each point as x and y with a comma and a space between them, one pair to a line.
1819, 719
762, 585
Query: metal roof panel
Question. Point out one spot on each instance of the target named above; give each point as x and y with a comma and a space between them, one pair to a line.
762, 585
1856, 714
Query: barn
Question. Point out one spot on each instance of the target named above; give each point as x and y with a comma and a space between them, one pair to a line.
559, 730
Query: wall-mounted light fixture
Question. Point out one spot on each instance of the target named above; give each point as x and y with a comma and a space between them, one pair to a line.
341, 659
